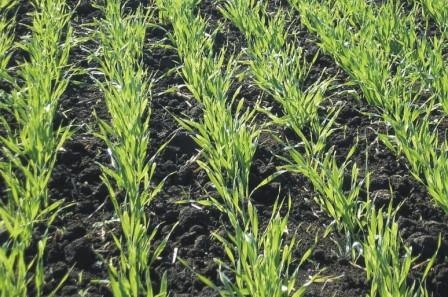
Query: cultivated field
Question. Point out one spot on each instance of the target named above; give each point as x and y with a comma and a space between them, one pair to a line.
259, 148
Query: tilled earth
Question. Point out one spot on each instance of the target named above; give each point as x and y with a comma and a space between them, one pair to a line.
81, 242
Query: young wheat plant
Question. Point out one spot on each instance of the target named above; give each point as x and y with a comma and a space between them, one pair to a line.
347, 32
259, 262
31, 144
6, 43
438, 10
387, 269
277, 66
393, 87
127, 92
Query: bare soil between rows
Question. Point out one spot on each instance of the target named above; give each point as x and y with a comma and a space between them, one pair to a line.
81, 242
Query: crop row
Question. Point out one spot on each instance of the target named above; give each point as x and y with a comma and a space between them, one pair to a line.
377, 45
380, 243
258, 261
126, 87
390, 76
30, 143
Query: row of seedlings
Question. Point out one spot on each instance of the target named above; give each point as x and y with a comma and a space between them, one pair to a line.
126, 86
386, 83
421, 58
268, 50
31, 143
278, 67
258, 261
369, 66
6, 49
422, 55
435, 56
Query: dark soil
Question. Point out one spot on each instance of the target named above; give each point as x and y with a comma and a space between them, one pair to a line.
81, 242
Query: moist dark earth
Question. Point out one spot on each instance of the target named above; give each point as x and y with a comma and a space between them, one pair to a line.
81, 242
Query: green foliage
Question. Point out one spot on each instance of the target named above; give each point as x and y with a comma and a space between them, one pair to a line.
376, 45
261, 262
276, 65
389, 72
6, 44
13, 271
8, 4
227, 135
319, 165
29, 149
438, 10
127, 92
32, 150
387, 268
